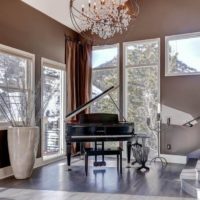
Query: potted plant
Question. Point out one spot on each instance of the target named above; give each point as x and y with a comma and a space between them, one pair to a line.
18, 108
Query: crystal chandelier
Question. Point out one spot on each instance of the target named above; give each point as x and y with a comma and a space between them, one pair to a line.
105, 18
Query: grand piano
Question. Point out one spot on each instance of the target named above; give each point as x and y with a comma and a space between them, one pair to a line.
98, 127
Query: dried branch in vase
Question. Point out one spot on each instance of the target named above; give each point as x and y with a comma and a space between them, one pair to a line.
18, 106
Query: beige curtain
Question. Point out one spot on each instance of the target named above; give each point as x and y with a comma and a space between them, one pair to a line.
79, 68
71, 63
84, 74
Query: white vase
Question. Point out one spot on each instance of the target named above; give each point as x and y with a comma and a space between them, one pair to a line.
22, 146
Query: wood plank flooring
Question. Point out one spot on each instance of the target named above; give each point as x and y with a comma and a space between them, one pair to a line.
27, 194
54, 177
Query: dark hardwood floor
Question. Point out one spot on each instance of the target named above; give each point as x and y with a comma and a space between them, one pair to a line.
156, 182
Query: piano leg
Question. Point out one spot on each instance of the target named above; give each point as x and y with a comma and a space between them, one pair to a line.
86, 164
120, 161
128, 154
69, 156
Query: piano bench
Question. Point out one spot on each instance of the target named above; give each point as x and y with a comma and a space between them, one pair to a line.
100, 152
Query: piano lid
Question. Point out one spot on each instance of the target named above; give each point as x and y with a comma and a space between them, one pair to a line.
87, 104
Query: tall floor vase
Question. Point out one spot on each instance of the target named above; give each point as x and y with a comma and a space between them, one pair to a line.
22, 146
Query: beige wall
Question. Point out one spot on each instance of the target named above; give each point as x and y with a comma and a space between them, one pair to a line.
27, 29
24, 28
157, 19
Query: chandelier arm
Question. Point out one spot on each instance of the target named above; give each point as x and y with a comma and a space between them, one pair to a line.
137, 10
82, 14
134, 5
72, 15
74, 22
77, 27
79, 18
99, 21
102, 23
78, 11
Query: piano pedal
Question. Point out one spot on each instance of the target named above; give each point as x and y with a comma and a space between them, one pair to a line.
99, 163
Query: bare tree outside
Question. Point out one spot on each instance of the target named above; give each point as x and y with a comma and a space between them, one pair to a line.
104, 75
52, 113
15, 91
141, 82
142, 86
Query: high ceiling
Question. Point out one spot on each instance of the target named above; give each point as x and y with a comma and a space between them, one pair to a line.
56, 9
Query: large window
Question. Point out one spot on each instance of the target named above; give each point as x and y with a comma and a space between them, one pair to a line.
182, 54
142, 62
16, 85
105, 68
53, 97
105, 73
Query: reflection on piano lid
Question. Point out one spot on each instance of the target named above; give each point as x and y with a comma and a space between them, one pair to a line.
86, 105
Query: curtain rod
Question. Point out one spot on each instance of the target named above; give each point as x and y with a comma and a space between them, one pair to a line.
69, 38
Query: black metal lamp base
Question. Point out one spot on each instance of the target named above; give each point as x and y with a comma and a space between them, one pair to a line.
143, 167
161, 159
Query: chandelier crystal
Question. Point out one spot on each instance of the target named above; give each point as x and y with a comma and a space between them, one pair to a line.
104, 18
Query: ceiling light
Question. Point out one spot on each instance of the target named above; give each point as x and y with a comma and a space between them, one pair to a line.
103, 18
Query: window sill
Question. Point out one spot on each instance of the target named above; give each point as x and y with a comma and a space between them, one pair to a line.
4, 126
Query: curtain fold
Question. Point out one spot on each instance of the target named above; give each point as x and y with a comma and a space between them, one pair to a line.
71, 63
79, 69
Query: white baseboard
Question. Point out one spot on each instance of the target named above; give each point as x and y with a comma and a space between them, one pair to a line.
41, 162
7, 171
175, 158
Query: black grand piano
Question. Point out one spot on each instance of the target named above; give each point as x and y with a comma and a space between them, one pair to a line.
98, 127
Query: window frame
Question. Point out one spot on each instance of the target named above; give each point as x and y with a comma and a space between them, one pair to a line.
178, 37
60, 66
22, 54
125, 90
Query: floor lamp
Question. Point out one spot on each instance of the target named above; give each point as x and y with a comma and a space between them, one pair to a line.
157, 130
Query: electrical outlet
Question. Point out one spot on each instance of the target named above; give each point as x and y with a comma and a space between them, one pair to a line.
168, 121
169, 147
